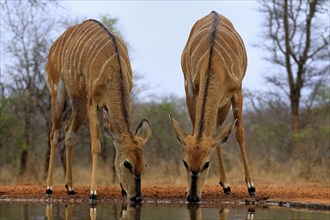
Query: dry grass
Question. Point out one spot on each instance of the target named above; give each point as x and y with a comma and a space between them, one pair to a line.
279, 174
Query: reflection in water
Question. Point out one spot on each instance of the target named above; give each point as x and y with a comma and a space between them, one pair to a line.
92, 211
49, 211
126, 211
131, 211
223, 213
250, 214
68, 211
195, 213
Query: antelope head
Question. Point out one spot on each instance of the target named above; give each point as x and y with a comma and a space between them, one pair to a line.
197, 155
129, 161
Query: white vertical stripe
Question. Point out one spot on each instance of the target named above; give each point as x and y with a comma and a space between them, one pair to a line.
64, 50
74, 42
99, 50
96, 56
123, 47
54, 48
199, 61
77, 49
88, 41
123, 63
103, 67
200, 43
231, 53
195, 36
230, 70
95, 46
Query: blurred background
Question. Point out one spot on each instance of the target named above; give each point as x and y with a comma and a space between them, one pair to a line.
286, 89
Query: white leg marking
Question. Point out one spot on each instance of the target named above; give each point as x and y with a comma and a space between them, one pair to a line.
93, 192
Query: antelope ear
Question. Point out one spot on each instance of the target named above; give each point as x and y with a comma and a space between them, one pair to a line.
222, 134
107, 132
143, 130
180, 133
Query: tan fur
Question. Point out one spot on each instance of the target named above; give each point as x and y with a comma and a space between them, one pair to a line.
90, 64
212, 84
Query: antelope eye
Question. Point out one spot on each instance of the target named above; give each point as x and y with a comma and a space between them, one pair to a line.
128, 165
206, 165
185, 164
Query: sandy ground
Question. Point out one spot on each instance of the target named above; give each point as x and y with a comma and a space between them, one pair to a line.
317, 197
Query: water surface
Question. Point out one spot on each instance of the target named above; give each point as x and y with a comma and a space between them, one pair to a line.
56, 211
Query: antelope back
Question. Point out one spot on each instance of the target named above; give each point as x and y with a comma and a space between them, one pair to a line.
214, 44
91, 60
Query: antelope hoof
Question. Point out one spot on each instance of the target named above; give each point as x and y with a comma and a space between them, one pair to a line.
251, 188
193, 198
49, 191
226, 188
92, 197
70, 190
252, 191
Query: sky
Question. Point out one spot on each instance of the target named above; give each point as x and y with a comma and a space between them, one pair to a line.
157, 32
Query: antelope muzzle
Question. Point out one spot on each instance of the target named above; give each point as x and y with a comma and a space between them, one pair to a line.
137, 198
193, 197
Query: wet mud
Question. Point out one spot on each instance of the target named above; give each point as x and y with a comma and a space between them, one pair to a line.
311, 197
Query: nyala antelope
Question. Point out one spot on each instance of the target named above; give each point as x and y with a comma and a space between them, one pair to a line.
214, 63
90, 65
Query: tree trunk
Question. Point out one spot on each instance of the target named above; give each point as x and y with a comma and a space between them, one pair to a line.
23, 161
295, 122
25, 151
